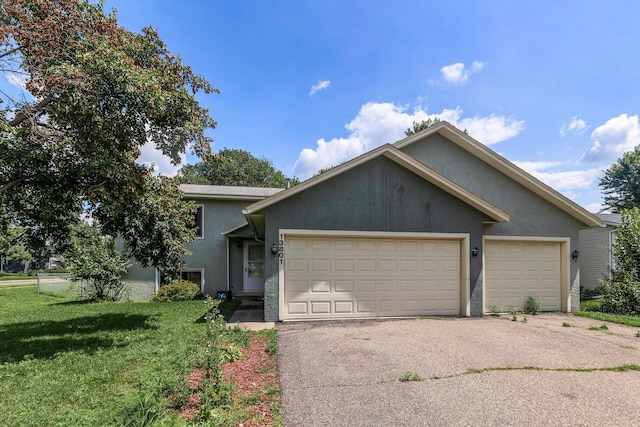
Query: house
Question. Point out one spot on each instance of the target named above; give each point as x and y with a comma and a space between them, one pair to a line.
434, 224
596, 251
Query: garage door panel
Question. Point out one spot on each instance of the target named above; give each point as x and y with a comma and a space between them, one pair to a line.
343, 307
320, 307
515, 271
323, 286
369, 277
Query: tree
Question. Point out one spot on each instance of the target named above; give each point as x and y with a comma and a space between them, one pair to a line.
92, 258
97, 93
621, 182
424, 124
236, 168
12, 247
621, 295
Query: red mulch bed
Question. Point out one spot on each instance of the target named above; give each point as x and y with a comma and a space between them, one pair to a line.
254, 371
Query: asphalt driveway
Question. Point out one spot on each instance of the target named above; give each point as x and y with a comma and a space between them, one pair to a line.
476, 371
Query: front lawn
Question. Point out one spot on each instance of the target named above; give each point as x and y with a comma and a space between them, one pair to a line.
66, 362
589, 308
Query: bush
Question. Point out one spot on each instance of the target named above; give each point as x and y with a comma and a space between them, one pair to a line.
177, 290
532, 305
621, 297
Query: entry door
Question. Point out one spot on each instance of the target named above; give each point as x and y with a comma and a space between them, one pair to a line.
253, 266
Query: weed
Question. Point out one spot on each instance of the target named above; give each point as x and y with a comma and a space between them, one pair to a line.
410, 376
628, 347
566, 325
143, 412
532, 305
638, 334
252, 399
525, 320
270, 391
602, 327
495, 310
514, 313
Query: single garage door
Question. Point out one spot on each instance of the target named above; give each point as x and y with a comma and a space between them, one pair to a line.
343, 277
516, 270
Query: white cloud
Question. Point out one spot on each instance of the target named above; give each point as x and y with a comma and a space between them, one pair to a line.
533, 167
492, 129
17, 80
152, 157
596, 207
609, 141
564, 181
320, 86
380, 123
576, 126
458, 74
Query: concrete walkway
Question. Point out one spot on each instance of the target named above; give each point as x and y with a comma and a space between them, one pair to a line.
250, 315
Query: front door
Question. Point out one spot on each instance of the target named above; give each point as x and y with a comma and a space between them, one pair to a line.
253, 266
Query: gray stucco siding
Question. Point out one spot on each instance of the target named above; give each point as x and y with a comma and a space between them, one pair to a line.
377, 196
531, 215
210, 252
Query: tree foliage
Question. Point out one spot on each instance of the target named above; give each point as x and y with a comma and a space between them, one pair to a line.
235, 168
621, 295
424, 124
96, 94
92, 258
621, 182
12, 246
420, 126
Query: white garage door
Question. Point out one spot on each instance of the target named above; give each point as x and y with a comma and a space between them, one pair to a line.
517, 270
343, 277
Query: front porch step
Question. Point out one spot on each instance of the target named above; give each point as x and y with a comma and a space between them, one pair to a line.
249, 295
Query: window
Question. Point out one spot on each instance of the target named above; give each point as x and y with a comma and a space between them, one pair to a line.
199, 222
195, 275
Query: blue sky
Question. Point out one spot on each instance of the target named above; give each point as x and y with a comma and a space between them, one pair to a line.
550, 85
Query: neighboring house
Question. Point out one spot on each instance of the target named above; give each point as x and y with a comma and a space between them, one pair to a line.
596, 251
435, 224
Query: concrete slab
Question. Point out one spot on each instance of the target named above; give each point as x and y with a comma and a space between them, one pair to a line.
250, 315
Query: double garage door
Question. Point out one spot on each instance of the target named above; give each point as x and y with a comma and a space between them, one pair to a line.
344, 277
325, 277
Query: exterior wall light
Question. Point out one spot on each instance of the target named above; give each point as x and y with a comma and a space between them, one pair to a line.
474, 251
574, 255
274, 249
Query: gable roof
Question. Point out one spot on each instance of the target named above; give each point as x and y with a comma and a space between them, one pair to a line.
495, 160
225, 192
400, 158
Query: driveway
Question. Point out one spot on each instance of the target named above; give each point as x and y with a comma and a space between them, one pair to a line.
477, 371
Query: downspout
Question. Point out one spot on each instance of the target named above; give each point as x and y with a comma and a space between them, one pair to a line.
253, 227
228, 263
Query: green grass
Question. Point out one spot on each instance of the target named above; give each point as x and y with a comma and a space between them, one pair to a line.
64, 362
5, 277
589, 309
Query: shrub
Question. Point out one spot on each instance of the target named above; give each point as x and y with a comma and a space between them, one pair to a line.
532, 305
621, 297
177, 290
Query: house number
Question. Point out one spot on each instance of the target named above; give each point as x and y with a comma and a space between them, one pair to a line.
281, 249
